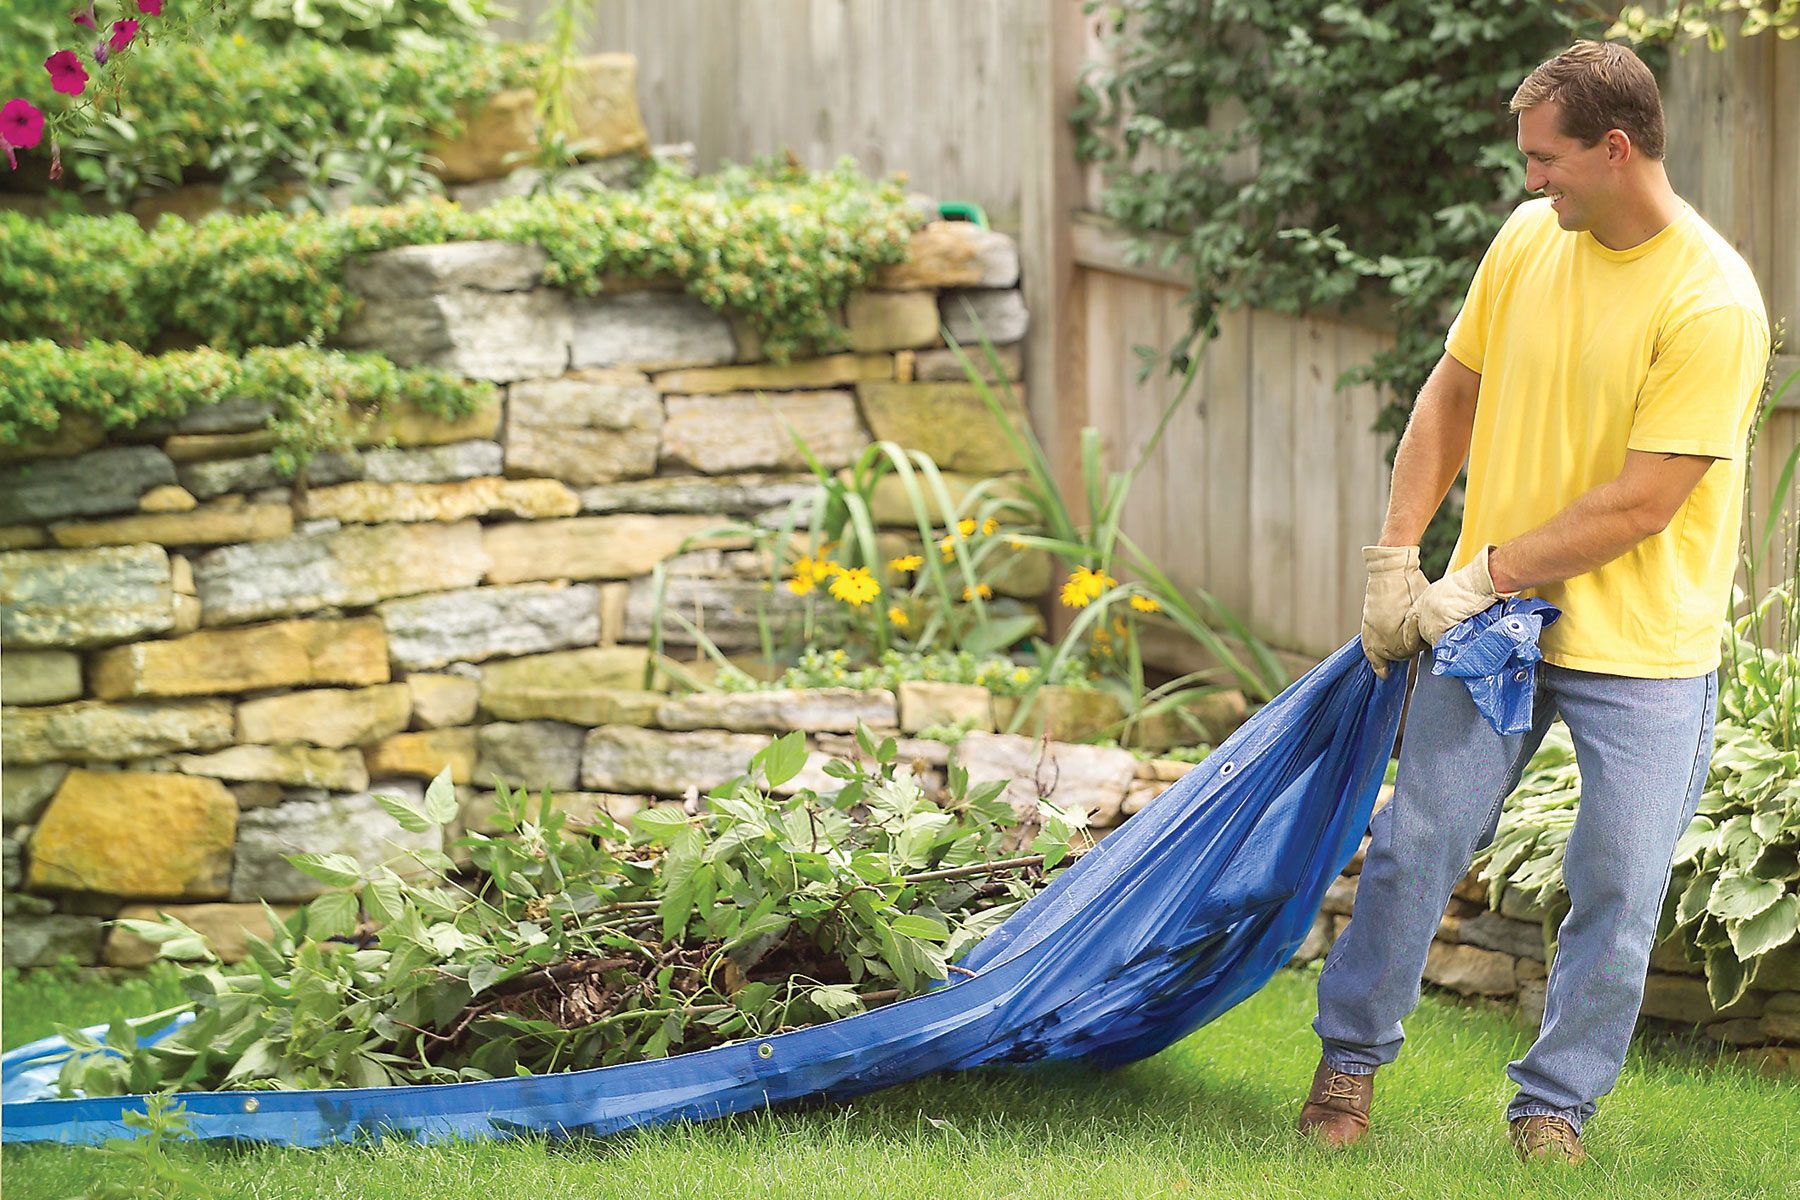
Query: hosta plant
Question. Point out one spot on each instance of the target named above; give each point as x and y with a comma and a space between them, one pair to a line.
704, 922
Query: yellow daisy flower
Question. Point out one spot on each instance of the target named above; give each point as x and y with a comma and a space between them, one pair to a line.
988, 526
1084, 585
966, 527
1021, 674
800, 584
897, 617
855, 586
906, 562
980, 589
948, 547
1145, 604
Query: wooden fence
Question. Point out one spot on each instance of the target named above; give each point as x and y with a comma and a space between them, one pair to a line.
928, 87
1270, 480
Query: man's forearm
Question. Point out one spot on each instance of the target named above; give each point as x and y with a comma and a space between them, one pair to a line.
1598, 527
1431, 453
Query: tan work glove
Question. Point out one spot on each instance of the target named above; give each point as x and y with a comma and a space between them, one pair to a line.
1395, 585
1457, 597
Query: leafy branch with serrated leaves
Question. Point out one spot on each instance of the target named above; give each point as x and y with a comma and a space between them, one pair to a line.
570, 944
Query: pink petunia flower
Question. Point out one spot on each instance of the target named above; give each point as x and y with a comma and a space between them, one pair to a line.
122, 33
67, 75
84, 16
150, 8
21, 124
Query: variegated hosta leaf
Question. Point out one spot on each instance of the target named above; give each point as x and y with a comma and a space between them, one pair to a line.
1726, 977
1692, 905
1698, 837
1737, 842
1738, 897
1774, 926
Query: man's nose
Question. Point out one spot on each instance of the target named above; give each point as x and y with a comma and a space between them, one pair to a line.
1534, 182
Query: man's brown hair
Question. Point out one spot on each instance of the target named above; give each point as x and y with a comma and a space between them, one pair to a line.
1600, 86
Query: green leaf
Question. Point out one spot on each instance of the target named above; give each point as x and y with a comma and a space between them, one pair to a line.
338, 870
913, 925
331, 915
410, 818
440, 800
1726, 978
483, 975
751, 996
1739, 897
384, 900
1698, 837
784, 758
1774, 926
661, 823
836, 1000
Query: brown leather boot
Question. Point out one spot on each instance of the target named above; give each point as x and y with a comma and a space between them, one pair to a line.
1337, 1108
1550, 1139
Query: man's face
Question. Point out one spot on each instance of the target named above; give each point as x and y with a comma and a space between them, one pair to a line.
1579, 179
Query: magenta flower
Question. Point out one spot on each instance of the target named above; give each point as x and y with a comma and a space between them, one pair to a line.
21, 124
84, 16
150, 8
67, 75
122, 33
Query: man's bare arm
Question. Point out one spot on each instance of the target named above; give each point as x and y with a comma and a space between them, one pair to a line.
1602, 523
1431, 451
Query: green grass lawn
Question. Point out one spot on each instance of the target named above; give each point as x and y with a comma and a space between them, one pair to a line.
1211, 1116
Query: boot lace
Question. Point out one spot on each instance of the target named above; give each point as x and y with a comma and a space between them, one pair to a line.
1548, 1131
1339, 1086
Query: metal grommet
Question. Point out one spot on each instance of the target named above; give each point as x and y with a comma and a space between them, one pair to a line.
1520, 676
1228, 770
765, 1051
251, 1104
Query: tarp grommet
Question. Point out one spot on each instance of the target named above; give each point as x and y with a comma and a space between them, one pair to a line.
250, 1104
765, 1051
1228, 770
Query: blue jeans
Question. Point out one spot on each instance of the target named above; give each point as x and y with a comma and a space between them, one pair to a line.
1642, 747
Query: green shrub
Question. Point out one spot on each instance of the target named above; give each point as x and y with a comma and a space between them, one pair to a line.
368, 24
785, 248
321, 399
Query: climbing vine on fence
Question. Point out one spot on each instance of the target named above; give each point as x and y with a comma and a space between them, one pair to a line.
1384, 156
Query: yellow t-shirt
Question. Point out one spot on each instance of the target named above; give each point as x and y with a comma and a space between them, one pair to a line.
1585, 352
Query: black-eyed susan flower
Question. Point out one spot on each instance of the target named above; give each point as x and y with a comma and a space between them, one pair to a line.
980, 589
906, 562
897, 617
1145, 604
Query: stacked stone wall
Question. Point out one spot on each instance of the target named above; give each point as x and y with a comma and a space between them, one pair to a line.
207, 666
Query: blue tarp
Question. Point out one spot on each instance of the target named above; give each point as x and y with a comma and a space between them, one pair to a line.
1178, 915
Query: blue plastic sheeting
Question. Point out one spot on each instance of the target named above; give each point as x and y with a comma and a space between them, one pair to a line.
1178, 915
1496, 654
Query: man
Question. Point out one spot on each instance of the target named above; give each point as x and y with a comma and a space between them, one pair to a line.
1601, 377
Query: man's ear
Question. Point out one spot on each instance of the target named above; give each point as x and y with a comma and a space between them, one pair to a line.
1618, 147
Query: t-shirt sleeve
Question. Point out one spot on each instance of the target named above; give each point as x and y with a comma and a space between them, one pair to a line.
1705, 379
1468, 336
